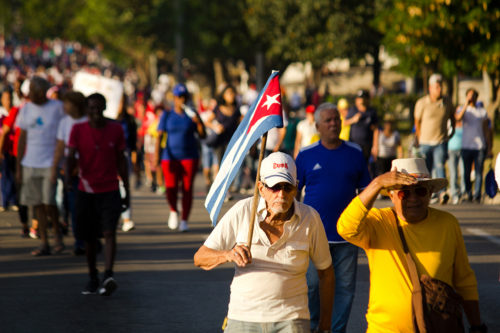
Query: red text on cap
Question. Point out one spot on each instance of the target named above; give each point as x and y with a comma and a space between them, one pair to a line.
280, 165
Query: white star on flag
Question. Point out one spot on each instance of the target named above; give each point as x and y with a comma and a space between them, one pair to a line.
270, 100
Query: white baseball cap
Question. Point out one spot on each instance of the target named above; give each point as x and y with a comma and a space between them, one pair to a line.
277, 168
435, 78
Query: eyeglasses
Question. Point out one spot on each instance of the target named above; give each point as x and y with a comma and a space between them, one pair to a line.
281, 187
419, 191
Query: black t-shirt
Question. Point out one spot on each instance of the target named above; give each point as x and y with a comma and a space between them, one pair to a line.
361, 132
230, 123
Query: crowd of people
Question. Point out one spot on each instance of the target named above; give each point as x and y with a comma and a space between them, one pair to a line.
322, 173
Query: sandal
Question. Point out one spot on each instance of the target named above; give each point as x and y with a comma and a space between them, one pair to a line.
59, 248
41, 251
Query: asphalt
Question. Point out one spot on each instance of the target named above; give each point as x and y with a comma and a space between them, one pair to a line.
160, 290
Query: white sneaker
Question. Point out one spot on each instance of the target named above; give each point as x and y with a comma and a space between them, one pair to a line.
173, 220
128, 225
184, 226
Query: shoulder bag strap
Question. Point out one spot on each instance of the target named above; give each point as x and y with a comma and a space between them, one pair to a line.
417, 298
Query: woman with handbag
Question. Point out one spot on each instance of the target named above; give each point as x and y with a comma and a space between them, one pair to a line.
420, 277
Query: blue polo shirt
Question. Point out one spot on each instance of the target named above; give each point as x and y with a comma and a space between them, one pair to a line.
181, 141
331, 178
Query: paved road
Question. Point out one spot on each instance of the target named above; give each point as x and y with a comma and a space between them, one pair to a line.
159, 288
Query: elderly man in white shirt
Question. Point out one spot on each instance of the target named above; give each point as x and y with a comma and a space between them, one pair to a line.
269, 289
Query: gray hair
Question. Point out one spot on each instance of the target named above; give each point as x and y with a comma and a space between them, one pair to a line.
322, 107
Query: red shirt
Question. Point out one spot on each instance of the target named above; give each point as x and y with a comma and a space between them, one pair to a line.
12, 138
98, 149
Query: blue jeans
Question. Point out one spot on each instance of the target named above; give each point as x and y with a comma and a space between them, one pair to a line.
456, 168
8, 187
435, 158
476, 156
208, 156
345, 264
289, 326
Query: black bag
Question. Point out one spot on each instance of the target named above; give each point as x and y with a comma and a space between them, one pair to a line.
490, 184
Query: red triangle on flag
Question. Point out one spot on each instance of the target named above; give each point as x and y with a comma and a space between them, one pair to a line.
270, 103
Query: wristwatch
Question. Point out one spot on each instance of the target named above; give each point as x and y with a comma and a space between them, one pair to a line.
478, 329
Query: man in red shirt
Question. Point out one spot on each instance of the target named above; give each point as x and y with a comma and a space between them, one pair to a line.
100, 144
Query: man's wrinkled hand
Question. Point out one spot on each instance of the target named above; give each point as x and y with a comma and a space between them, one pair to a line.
240, 255
395, 179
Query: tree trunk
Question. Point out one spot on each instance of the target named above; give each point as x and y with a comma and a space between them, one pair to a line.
179, 41
218, 75
377, 65
493, 98
259, 64
425, 79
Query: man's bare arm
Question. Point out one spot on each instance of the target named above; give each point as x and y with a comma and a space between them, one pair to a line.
326, 296
207, 258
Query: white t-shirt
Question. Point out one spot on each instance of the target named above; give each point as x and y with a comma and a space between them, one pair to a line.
41, 123
3, 112
387, 146
273, 287
273, 135
64, 130
308, 131
473, 135
65, 126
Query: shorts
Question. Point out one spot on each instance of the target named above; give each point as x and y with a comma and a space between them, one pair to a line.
208, 156
96, 213
289, 326
37, 189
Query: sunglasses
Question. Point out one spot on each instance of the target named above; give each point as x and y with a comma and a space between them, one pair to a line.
281, 187
418, 191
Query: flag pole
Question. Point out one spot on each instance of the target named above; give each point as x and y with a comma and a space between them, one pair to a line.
256, 192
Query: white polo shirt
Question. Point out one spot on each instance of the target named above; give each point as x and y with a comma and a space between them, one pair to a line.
273, 287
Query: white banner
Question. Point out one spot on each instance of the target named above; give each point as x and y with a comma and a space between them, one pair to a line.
111, 89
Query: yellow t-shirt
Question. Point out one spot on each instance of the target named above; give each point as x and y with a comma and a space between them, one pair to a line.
440, 253
345, 130
153, 132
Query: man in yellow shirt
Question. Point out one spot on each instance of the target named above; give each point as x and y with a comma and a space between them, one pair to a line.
434, 240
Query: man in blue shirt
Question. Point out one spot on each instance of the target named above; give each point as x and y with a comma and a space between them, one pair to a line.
332, 171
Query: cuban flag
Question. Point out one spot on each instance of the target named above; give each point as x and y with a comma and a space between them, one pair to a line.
264, 114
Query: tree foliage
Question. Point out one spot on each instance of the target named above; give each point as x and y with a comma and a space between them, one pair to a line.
313, 30
443, 35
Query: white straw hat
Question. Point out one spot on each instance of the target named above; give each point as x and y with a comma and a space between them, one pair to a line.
417, 168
